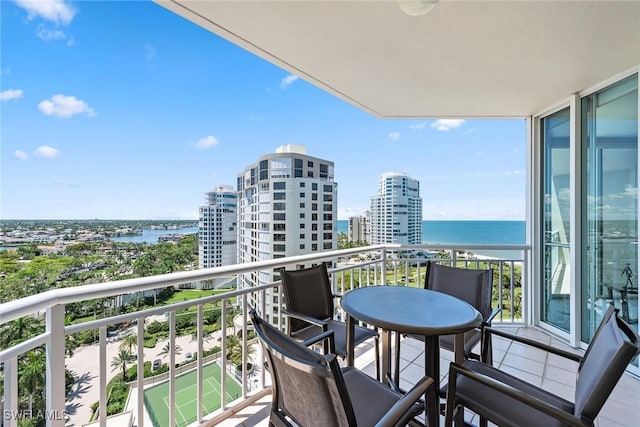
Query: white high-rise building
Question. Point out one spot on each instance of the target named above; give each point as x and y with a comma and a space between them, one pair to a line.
396, 211
217, 234
360, 228
287, 204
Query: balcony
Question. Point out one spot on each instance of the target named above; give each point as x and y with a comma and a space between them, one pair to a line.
210, 390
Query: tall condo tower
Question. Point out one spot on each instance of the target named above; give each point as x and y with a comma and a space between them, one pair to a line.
396, 211
287, 204
217, 234
360, 228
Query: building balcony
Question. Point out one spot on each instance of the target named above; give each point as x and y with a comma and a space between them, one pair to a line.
195, 383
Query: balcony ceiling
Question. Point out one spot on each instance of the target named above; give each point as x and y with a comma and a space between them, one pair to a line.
462, 59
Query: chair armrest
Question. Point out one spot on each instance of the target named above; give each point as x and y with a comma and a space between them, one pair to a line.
489, 319
399, 410
312, 320
533, 343
327, 335
542, 406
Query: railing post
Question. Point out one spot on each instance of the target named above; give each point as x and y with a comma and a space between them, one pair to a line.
55, 390
140, 379
102, 406
199, 357
10, 414
172, 368
383, 268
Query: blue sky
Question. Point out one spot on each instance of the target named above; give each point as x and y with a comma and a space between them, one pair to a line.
124, 110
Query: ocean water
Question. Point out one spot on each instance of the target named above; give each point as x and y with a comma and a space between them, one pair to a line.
467, 232
470, 233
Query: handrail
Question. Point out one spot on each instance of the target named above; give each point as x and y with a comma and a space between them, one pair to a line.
14, 309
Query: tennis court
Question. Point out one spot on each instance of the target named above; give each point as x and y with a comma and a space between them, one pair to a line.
156, 399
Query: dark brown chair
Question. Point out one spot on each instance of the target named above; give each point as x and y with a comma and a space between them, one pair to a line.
509, 401
310, 310
471, 285
310, 389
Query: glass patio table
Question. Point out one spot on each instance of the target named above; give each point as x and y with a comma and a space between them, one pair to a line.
412, 311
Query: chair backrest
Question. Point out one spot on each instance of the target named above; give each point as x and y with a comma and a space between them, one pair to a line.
307, 386
609, 353
470, 285
307, 291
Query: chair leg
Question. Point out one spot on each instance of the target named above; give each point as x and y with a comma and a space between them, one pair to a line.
397, 361
377, 356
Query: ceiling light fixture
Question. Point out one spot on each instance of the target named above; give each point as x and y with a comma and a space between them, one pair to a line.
416, 7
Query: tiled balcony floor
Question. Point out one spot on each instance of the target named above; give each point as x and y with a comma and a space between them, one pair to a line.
549, 371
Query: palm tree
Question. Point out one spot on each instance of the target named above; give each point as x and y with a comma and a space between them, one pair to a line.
122, 359
32, 374
167, 349
18, 330
234, 350
129, 342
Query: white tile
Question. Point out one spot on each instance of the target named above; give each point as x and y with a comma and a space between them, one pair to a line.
523, 364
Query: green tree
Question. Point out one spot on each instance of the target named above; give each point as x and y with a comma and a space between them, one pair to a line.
129, 342
19, 330
121, 360
167, 349
31, 374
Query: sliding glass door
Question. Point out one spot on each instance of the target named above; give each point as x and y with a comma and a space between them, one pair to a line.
610, 141
556, 268
605, 214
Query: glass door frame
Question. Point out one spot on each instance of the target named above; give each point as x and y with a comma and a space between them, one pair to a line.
578, 185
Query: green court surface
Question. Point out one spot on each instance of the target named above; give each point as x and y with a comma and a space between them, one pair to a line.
156, 398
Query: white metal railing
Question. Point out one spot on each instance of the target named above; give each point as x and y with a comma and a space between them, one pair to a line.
381, 264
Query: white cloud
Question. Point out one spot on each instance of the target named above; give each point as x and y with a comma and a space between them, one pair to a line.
20, 155
65, 106
207, 142
418, 126
394, 136
56, 11
6, 95
447, 124
514, 172
46, 151
50, 35
288, 81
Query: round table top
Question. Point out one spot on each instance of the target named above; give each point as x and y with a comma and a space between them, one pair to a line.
411, 310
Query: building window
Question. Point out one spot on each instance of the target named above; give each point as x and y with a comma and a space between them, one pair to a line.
301, 245
279, 247
279, 217
302, 205
314, 186
328, 188
279, 206
279, 196
314, 247
279, 185
279, 227
314, 196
